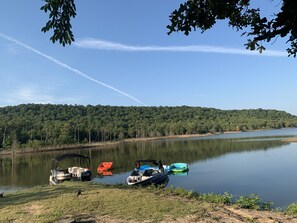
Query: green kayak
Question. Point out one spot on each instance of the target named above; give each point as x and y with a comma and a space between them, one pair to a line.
179, 167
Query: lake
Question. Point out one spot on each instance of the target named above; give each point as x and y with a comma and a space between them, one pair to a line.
238, 163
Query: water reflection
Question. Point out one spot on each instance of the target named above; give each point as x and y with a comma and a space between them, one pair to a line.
34, 169
186, 173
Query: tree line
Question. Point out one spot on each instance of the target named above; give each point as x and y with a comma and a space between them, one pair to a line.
40, 125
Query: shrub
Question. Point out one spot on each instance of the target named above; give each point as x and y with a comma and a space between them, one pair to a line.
252, 202
225, 198
266, 206
292, 209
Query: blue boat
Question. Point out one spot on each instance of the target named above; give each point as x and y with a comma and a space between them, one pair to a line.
173, 168
144, 175
146, 167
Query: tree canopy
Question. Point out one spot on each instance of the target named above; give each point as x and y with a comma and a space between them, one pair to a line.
202, 15
37, 125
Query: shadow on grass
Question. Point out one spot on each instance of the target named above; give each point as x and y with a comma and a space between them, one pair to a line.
40, 193
45, 192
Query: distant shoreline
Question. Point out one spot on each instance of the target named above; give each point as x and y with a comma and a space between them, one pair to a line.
104, 144
293, 139
109, 144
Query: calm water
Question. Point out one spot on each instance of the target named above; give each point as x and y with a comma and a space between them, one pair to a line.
241, 164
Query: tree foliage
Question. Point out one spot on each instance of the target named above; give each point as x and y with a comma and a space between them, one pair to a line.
203, 14
60, 13
36, 125
199, 14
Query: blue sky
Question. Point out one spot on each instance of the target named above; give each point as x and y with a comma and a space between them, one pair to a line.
123, 56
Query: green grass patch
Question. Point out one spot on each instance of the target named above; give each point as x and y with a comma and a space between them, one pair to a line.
118, 202
53, 203
225, 198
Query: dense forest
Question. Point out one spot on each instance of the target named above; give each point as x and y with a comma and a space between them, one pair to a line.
39, 125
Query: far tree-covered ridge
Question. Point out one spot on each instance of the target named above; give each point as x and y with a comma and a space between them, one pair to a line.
38, 125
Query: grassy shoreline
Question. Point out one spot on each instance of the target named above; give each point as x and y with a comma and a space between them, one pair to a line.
119, 203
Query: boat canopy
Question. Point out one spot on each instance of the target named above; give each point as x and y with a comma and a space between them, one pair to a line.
68, 156
155, 162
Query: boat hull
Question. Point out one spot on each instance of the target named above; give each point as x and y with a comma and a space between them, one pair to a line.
157, 179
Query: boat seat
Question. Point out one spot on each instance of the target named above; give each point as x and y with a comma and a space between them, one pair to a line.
73, 170
148, 173
79, 171
135, 173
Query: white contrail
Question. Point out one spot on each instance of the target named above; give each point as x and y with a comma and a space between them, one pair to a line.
68, 67
107, 45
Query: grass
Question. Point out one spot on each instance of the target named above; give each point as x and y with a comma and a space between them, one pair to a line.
120, 203
52, 203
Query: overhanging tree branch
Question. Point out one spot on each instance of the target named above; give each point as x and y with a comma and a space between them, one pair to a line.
201, 15
60, 14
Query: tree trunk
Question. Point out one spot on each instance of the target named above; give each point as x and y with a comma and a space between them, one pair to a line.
90, 132
4, 136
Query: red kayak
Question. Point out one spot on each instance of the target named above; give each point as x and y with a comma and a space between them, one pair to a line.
104, 166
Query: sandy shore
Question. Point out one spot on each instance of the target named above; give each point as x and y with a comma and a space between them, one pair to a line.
290, 140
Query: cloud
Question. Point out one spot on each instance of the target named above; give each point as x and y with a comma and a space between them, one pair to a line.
78, 72
33, 94
112, 46
27, 94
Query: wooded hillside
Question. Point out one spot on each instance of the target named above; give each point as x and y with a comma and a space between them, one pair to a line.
38, 125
